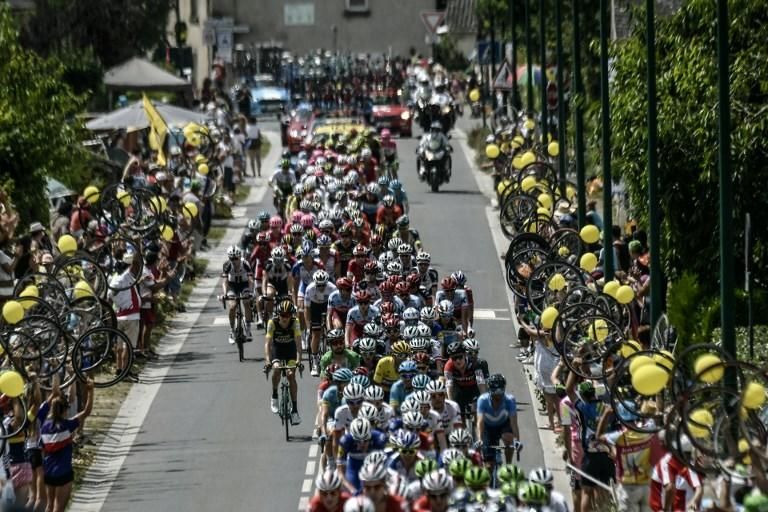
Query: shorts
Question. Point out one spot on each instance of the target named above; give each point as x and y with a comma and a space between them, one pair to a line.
280, 286
238, 287
148, 317
316, 312
465, 396
284, 351
131, 329
599, 466
492, 437
59, 480
35, 456
21, 474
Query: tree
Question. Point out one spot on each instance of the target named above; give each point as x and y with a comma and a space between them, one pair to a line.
687, 120
36, 137
115, 30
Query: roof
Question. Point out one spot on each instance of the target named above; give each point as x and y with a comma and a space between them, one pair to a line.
460, 16
133, 117
139, 74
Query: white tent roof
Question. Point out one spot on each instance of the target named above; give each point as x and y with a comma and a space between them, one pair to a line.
139, 74
133, 117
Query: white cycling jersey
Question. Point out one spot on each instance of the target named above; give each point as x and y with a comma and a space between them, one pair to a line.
315, 295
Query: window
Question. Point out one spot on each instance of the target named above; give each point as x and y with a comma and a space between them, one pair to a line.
357, 6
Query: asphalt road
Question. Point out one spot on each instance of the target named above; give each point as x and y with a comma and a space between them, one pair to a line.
209, 440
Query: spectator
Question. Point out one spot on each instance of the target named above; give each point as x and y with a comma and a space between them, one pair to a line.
128, 304
153, 279
253, 145
26, 262
40, 240
8, 265
60, 222
79, 218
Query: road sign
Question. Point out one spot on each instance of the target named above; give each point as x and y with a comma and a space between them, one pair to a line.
504, 79
484, 52
552, 96
432, 20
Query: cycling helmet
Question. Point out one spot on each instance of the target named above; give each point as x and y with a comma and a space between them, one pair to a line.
328, 481
275, 222
409, 405
420, 383
394, 267
395, 184
403, 221
262, 238
394, 243
410, 314
361, 370
497, 383
436, 386
509, 489
362, 296
459, 278
253, 225
354, 391
359, 504
286, 307
413, 419
287, 240
471, 345
423, 331
296, 229
376, 457
425, 466
451, 454
407, 366
402, 288
324, 240
310, 235
296, 217
366, 345
541, 476
335, 334
376, 240
419, 345
428, 314
278, 253
388, 309
363, 380
477, 477
263, 216
344, 283
298, 189
459, 437
360, 250
404, 249
342, 375
421, 358
387, 288
455, 348
307, 246
459, 467
448, 283
233, 252
320, 278
307, 221
374, 393
410, 332
373, 330
423, 257
325, 225
401, 348
407, 440
373, 472
388, 201
436, 481
360, 428
532, 494
445, 308
371, 267
436, 125
385, 257
305, 205
510, 473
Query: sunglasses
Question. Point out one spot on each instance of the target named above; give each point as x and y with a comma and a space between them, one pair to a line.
329, 493
355, 402
442, 496
336, 341
408, 451
407, 375
374, 487
422, 368
457, 358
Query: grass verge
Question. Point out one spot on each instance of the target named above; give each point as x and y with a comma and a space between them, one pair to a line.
476, 140
216, 233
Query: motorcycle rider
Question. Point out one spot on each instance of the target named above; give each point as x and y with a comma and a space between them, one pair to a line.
433, 140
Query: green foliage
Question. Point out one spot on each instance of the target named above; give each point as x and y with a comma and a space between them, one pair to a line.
35, 139
448, 54
692, 311
687, 121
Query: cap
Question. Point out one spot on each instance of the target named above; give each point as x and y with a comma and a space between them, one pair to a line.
36, 227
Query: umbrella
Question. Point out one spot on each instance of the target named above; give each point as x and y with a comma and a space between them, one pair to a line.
522, 75
133, 116
57, 189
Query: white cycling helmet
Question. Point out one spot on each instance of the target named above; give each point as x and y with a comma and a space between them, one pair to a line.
436, 386
437, 481
409, 405
423, 331
320, 278
376, 457
419, 344
359, 504
413, 419
423, 257
459, 437
366, 345
328, 481
411, 315
394, 267
374, 393
541, 476
233, 252
253, 225
360, 429
471, 344
369, 412
422, 397
373, 472
278, 253
394, 243
445, 308
451, 454
428, 314
410, 332
404, 249
354, 391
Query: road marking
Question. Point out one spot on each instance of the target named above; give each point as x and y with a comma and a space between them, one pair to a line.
306, 486
489, 314
238, 212
313, 449
303, 503
310, 471
221, 320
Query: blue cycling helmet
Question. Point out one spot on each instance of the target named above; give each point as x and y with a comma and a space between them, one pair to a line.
407, 366
407, 440
459, 277
420, 381
395, 185
307, 246
360, 379
263, 216
342, 375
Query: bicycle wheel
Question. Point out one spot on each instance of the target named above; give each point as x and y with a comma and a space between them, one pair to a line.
285, 409
96, 355
239, 331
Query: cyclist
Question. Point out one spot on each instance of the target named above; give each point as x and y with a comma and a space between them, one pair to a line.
276, 278
238, 281
316, 296
448, 410
329, 497
437, 486
282, 182
428, 275
389, 152
497, 419
446, 325
472, 349
374, 395
400, 195
386, 373
354, 446
248, 238
344, 247
544, 477
327, 254
374, 478
461, 285
339, 303
282, 345
465, 382
359, 315
406, 234
458, 298
330, 401
337, 353
367, 348
461, 440
404, 385
349, 409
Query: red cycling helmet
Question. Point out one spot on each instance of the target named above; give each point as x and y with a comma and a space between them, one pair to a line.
413, 280
360, 370
307, 221
387, 288
275, 222
448, 283
389, 319
344, 283
360, 250
371, 268
376, 240
363, 296
389, 309
421, 357
402, 288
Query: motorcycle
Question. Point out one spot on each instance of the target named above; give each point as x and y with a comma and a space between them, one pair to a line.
436, 163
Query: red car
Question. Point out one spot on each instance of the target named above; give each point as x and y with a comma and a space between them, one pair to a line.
389, 113
297, 128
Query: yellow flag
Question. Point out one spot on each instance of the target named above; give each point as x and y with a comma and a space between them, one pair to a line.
157, 130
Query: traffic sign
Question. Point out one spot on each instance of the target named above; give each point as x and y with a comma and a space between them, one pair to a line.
484, 52
552, 96
504, 80
432, 20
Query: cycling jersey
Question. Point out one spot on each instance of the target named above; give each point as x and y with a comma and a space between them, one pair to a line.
450, 416
459, 300
429, 279
349, 359
315, 295
278, 275
398, 393
332, 399
329, 263
496, 416
283, 181
352, 456
397, 301
344, 253
342, 418
386, 371
356, 317
316, 503
339, 306
303, 275
470, 378
237, 278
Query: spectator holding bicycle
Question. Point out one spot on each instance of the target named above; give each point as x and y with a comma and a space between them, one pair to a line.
126, 298
56, 432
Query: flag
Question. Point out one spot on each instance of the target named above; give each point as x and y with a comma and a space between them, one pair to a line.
158, 130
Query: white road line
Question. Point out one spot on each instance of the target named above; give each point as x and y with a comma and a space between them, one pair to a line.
303, 503
485, 314
313, 449
306, 486
221, 320
310, 471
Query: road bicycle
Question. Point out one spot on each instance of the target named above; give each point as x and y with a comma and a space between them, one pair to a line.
238, 330
284, 402
500, 458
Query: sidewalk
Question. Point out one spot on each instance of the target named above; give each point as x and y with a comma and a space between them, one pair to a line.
127, 424
552, 453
